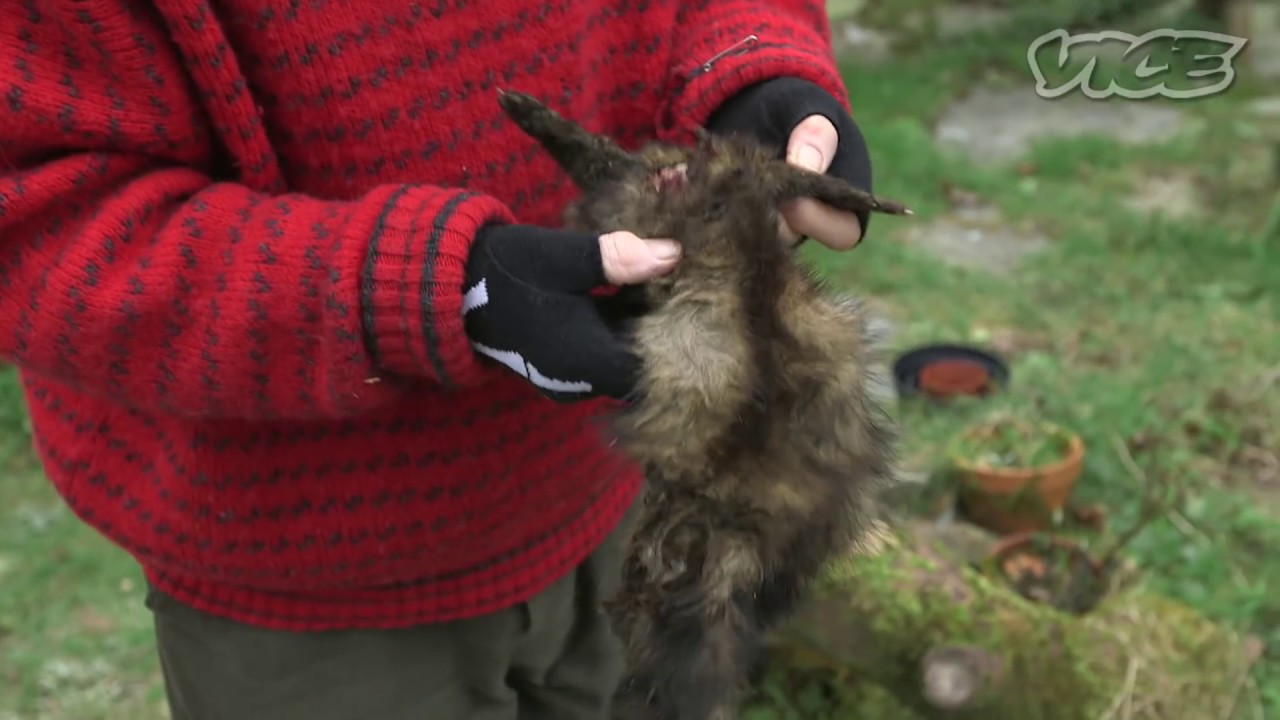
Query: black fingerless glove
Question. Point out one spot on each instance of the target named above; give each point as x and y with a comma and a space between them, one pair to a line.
770, 110
528, 304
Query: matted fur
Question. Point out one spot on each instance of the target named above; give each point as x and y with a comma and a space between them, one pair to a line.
754, 416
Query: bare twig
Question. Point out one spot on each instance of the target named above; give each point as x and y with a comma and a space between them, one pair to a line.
1184, 526
1268, 378
1153, 504
1173, 514
1193, 532
1124, 698
1126, 459
1242, 682
1255, 695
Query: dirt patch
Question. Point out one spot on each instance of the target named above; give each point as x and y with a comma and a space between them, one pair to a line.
1010, 341
79, 687
1256, 164
856, 42
93, 621
1253, 463
994, 126
1263, 52
1172, 196
977, 238
954, 20
1246, 458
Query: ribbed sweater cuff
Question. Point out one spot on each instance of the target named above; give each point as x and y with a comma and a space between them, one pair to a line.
412, 290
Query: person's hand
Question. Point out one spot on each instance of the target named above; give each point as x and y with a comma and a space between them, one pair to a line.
528, 304
814, 132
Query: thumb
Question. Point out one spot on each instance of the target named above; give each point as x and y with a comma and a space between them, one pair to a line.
629, 259
812, 144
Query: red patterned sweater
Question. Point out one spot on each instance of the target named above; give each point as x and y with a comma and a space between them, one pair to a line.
192, 195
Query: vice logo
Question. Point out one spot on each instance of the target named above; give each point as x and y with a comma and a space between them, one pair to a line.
1177, 64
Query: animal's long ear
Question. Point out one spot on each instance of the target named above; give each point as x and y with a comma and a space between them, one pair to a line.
587, 158
794, 182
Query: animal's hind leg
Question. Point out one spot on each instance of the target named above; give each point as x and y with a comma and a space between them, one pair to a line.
837, 193
589, 159
709, 636
775, 601
779, 594
801, 560
784, 585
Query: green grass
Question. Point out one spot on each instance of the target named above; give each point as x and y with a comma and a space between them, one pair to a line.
1147, 335
75, 640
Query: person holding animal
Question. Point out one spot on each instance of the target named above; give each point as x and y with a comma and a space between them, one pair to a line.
301, 331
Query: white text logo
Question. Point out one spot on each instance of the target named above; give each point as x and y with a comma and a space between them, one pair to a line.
1178, 64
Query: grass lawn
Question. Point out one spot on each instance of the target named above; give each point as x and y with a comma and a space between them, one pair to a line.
1158, 340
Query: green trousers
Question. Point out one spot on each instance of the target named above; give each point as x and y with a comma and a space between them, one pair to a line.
554, 658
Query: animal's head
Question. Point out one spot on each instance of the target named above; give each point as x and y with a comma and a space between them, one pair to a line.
713, 195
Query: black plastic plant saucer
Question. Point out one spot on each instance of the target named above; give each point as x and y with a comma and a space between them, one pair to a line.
908, 367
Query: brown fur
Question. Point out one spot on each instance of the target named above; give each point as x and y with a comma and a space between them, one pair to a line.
753, 416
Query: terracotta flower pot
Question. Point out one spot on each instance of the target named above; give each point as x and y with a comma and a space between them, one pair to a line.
1019, 550
1047, 568
1009, 500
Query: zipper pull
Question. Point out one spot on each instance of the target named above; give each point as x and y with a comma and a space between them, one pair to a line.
741, 46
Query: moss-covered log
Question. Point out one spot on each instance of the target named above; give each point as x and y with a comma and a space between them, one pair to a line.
946, 642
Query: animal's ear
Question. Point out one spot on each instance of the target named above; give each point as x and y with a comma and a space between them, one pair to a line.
794, 182
587, 158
